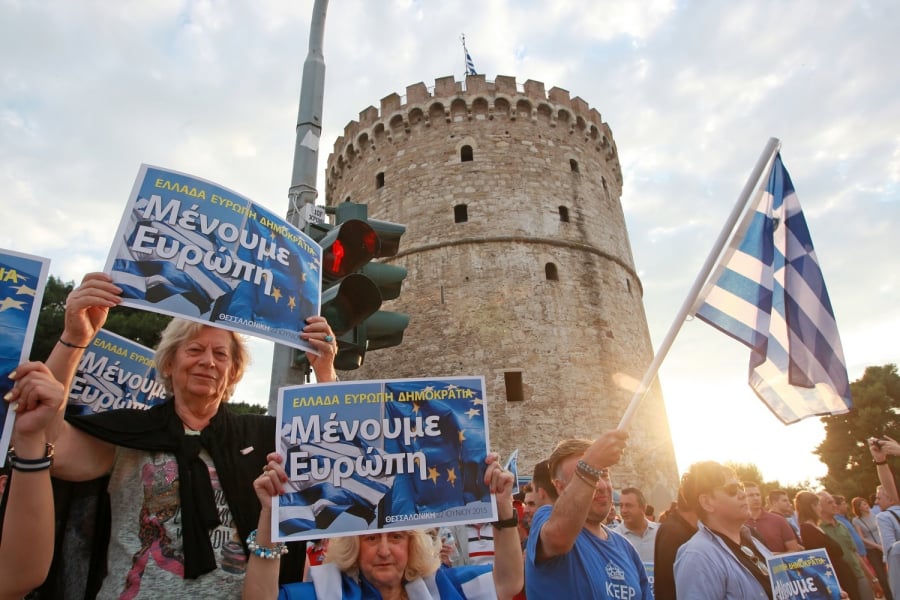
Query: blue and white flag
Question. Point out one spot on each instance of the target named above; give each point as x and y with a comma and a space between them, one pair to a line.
22, 281
370, 455
512, 465
114, 372
470, 64
768, 292
190, 248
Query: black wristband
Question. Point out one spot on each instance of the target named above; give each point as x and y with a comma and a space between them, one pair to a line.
513, 521
68, 345
878, 463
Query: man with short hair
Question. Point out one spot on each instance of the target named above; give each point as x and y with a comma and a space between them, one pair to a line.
571, 553
774, 530
542, 482
839, 533
843, 515
722, 561
780, 503
529, 504
635, 526
679, 526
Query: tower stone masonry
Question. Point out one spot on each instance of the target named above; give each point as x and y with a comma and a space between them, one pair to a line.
520, 267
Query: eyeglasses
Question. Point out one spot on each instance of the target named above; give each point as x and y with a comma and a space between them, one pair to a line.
752, 556
732, 489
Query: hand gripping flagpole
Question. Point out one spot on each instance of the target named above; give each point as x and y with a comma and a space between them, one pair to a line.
640, 393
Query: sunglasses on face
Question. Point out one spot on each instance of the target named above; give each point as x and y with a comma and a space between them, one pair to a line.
732, 489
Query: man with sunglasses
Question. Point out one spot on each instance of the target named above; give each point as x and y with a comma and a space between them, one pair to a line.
570, 552
722, 561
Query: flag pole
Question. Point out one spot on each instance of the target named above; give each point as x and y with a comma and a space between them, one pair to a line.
640, 393
462, 38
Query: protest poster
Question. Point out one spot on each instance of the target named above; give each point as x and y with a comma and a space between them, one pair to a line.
648, 567
372, 455
190, 248
803, 575
114, 372
22, 280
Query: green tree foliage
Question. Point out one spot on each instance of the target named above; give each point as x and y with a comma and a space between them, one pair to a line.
243, 408
746, 472
137, 325
750, 472
876, 404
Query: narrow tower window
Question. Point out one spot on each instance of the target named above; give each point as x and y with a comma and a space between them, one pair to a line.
550, 272
564, 214
573, 164
513, 381
379, 180
461, 213
465, 154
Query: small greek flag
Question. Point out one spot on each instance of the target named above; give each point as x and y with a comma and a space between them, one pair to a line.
470, 65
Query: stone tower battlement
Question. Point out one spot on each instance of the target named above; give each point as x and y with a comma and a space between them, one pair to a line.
518, 259
450, 100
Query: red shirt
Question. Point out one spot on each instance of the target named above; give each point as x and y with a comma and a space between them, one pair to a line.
774, 530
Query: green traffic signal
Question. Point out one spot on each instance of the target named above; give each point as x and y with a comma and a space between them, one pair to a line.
388, 278
385, 329
350, 302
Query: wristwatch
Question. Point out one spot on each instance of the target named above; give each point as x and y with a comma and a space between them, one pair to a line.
513, 521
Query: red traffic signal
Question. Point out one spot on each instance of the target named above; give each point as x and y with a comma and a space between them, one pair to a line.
348, 247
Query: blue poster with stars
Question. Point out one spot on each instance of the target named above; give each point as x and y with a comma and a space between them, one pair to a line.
804, 575
365, 456
22, 280
191, 248
114, 372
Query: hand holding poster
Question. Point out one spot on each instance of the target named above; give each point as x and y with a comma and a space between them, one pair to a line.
114, 372
370, 455
804, 575
190, 248
22, 279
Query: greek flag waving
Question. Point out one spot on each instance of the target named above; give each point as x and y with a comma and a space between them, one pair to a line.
768, 292
470, 65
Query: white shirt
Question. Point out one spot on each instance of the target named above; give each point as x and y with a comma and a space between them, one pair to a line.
642, 543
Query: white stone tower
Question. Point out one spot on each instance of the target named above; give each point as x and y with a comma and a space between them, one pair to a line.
520, 267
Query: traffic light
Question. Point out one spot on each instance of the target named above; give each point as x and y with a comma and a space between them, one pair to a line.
356, 287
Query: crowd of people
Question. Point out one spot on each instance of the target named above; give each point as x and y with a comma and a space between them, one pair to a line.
191, 487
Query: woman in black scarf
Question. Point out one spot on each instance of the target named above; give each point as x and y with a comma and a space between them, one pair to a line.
181, 473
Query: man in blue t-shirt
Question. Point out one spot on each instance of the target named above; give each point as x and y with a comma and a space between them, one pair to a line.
570, 552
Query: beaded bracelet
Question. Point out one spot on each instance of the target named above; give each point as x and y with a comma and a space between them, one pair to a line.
269, 552
589, 470
31, 464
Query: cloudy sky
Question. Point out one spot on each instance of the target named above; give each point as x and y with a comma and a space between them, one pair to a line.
691, 90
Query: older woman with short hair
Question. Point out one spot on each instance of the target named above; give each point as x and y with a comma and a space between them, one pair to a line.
181, 473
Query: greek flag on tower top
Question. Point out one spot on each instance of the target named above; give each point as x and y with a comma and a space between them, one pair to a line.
768, 292
470, 65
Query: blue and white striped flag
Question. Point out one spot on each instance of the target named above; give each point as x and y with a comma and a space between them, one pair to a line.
470, 65
512, 465
768, 292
